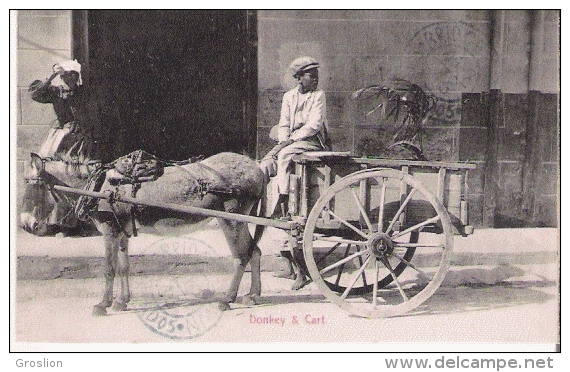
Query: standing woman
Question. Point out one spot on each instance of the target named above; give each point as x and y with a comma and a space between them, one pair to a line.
70, 136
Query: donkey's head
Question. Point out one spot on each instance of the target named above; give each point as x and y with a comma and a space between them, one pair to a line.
45, 210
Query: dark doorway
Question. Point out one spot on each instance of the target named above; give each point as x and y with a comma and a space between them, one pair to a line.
177, 83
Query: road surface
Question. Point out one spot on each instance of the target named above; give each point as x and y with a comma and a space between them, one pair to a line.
180, 309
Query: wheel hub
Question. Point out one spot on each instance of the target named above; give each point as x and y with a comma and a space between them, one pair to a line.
380, 244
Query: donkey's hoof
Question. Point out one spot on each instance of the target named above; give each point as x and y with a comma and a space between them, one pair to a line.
99, 311
224, 306
250, 300
119, 306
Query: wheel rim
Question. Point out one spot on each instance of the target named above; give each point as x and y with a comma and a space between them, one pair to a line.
377, 265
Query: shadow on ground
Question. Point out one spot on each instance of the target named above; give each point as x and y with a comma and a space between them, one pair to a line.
481, 297
464, 290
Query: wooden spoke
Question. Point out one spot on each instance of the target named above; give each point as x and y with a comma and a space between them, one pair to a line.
415, 227
375, 285
322, 259
341, 269
362, 210
344, 260
381, 206
415, 245
335, 239
363, 273
421, 272
355, 278
400, 210
400, 289
346, 223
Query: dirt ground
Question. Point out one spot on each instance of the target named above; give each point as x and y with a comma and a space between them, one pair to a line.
475, 305
500, 291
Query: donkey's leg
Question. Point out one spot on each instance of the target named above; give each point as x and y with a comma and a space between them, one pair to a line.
252, 298
296, 256
123, 273
244, 250
300, 278
111, 248
250, 245
241, 254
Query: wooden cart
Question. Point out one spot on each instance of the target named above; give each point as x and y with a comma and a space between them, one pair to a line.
378, 233
375, 235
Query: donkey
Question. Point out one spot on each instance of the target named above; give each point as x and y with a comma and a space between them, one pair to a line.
224, 182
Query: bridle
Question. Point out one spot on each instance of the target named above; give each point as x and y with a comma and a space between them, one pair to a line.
40, 179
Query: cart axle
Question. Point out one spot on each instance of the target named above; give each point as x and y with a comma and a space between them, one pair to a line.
380, 244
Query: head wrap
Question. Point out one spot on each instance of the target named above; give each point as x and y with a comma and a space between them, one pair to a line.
72, 65
303, 64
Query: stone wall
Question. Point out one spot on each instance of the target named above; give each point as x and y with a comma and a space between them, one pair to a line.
457, 56
498, 103
43, 39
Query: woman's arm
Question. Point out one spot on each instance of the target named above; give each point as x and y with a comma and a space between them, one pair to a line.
44, 92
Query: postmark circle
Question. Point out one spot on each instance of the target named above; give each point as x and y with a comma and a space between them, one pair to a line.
451, 48
183, 310
182, 323
444, 58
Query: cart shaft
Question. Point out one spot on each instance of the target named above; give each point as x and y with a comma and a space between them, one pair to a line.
287, 225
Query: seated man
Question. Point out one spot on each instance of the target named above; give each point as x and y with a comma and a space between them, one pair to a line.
302, 127
303, 123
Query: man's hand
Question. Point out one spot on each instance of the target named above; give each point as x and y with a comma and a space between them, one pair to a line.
269, 168
275, 150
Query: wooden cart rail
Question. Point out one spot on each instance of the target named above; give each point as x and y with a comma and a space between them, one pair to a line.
316, 172
377, 162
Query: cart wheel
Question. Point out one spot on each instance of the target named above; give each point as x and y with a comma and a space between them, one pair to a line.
333, 279
372, 257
